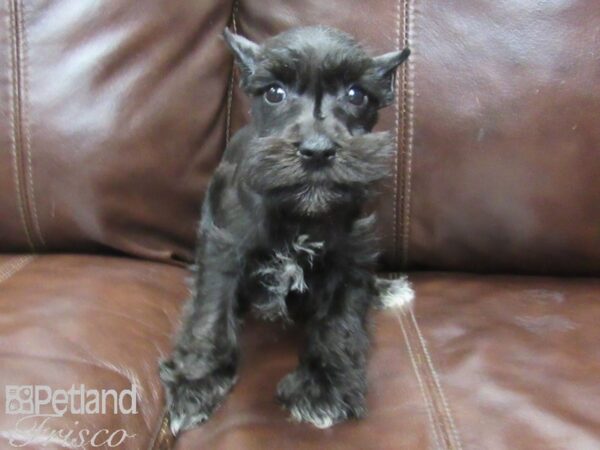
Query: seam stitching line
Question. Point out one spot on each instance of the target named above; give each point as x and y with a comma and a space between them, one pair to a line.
440, 421
422, 386
14, 265
25, 121
450, 432
438, 412
397, 139
231, 79
408, 90
14, 100
402, 167
163, 439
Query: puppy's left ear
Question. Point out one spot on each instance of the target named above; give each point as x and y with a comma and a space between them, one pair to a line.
385, 69
245, 52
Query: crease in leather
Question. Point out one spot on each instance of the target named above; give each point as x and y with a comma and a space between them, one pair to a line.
444, 431
14, 265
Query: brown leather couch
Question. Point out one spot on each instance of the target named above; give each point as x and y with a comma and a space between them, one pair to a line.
113, 115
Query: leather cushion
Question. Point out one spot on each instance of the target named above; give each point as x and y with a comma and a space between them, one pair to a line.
112, 119
98, 321
494, 362
481, 362
496, 122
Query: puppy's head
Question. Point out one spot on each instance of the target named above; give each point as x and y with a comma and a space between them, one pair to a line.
315, 94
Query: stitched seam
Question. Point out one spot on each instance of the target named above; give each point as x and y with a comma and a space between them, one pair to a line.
443, 420
422, 387
14, 265
450, 431
25, 122
163, 437
231, 78
18, 118
401, 168
438, 415
14, 113
397, 139
440, 422
408, 90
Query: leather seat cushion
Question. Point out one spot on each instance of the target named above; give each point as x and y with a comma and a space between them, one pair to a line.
489, 362
494, 362
98, 321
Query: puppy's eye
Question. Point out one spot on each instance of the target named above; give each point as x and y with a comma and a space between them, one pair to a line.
275, 94
356, 96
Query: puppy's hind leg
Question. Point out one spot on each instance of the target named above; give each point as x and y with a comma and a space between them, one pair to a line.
202, 368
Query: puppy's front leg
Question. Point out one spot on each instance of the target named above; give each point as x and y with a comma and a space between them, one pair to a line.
329, 385
202, 368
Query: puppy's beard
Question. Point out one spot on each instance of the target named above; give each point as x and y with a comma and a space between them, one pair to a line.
314, 199
273, 168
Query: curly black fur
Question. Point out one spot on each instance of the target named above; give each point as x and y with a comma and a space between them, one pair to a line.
282, 232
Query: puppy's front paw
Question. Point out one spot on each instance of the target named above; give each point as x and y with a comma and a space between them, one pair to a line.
192, 401
318, 402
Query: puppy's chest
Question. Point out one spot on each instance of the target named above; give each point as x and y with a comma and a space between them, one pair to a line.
285, 270
286, 267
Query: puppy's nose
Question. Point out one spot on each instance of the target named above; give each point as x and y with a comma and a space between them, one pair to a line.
318, 148
312, 153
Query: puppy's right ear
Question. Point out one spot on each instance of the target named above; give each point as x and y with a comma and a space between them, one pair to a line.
244, 50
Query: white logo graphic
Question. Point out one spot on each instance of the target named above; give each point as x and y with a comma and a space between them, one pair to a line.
43, 400
19, 400
39, 405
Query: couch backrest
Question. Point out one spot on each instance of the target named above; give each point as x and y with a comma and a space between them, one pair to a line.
112, 119
114, 116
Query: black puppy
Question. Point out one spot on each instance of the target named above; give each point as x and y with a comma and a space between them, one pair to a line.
282, 232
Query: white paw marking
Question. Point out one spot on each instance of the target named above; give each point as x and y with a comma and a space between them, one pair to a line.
398, 293
175, 424
321, 418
